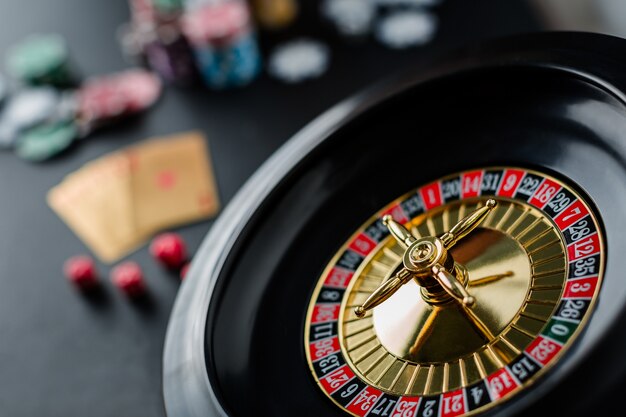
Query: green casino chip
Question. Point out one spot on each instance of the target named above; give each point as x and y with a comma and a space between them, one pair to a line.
168, 6
46, 141
40, 59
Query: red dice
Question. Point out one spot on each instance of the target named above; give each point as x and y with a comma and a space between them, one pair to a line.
81, 271
169, 249
128, 277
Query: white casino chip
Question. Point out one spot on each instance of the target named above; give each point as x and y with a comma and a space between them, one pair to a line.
299, 60
404, 29
31, 106
350, 17
25, 109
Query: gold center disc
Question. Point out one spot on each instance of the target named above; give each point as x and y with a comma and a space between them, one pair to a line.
413, 330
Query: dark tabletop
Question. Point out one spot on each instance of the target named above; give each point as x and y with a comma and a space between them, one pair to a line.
62, 354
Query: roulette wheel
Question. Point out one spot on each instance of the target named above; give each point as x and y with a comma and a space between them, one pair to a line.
447, 243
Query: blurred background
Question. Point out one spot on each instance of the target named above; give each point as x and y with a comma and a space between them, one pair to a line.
83, 80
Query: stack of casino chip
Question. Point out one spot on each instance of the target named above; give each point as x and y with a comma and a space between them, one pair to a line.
41, 122
216, 39
37, 119
223, 39
38, 122
154, 37
47, 107
106, 99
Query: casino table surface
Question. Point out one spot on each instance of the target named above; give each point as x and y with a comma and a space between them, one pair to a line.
62, 354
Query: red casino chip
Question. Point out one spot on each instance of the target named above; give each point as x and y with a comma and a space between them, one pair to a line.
141, 89
106, 98
216, 23
98, 100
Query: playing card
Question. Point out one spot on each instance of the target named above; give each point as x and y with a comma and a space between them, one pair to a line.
96, 204
117, 202
172, 182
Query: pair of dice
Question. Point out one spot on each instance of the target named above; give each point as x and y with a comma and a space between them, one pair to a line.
168, 249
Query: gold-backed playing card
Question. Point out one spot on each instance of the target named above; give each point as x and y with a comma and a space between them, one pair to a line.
96, 203
172, 182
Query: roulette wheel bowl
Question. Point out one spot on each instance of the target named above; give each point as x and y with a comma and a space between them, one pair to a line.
551, 102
